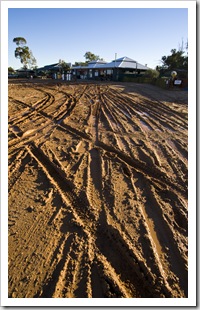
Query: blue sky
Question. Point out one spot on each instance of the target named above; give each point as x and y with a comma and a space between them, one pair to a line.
144, 35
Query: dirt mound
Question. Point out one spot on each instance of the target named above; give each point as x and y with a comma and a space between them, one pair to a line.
97, 191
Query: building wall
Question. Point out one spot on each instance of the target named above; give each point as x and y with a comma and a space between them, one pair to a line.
114, 74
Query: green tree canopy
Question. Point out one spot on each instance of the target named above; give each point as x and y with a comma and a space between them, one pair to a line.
90, 57
11, 70
177, 60
23, 53
152, 73
19, 41
64, 66
80, 63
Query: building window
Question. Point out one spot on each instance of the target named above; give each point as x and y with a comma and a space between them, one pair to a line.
109, 72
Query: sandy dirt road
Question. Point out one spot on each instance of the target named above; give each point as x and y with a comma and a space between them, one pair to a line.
97, 191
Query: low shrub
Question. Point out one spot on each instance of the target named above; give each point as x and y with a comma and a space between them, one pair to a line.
160, 82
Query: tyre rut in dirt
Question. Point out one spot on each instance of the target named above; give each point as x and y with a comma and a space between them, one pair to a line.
163, 232
151, 172
64, 186
97, 192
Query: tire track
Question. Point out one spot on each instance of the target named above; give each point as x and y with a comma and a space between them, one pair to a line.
87, 226
99, 177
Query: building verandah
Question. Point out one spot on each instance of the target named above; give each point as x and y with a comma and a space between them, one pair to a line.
115, 70
101, 70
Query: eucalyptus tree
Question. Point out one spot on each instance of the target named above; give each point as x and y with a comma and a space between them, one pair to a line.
19, 41
23, 53
11, 70
90, 56
63, 65
177, 60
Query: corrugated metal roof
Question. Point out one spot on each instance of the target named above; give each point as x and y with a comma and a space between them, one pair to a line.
126, 59
91, 65
95, 63
24, 70
55, 67
49, 67
123, 62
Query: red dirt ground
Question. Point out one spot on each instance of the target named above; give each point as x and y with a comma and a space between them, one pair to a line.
97, 190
